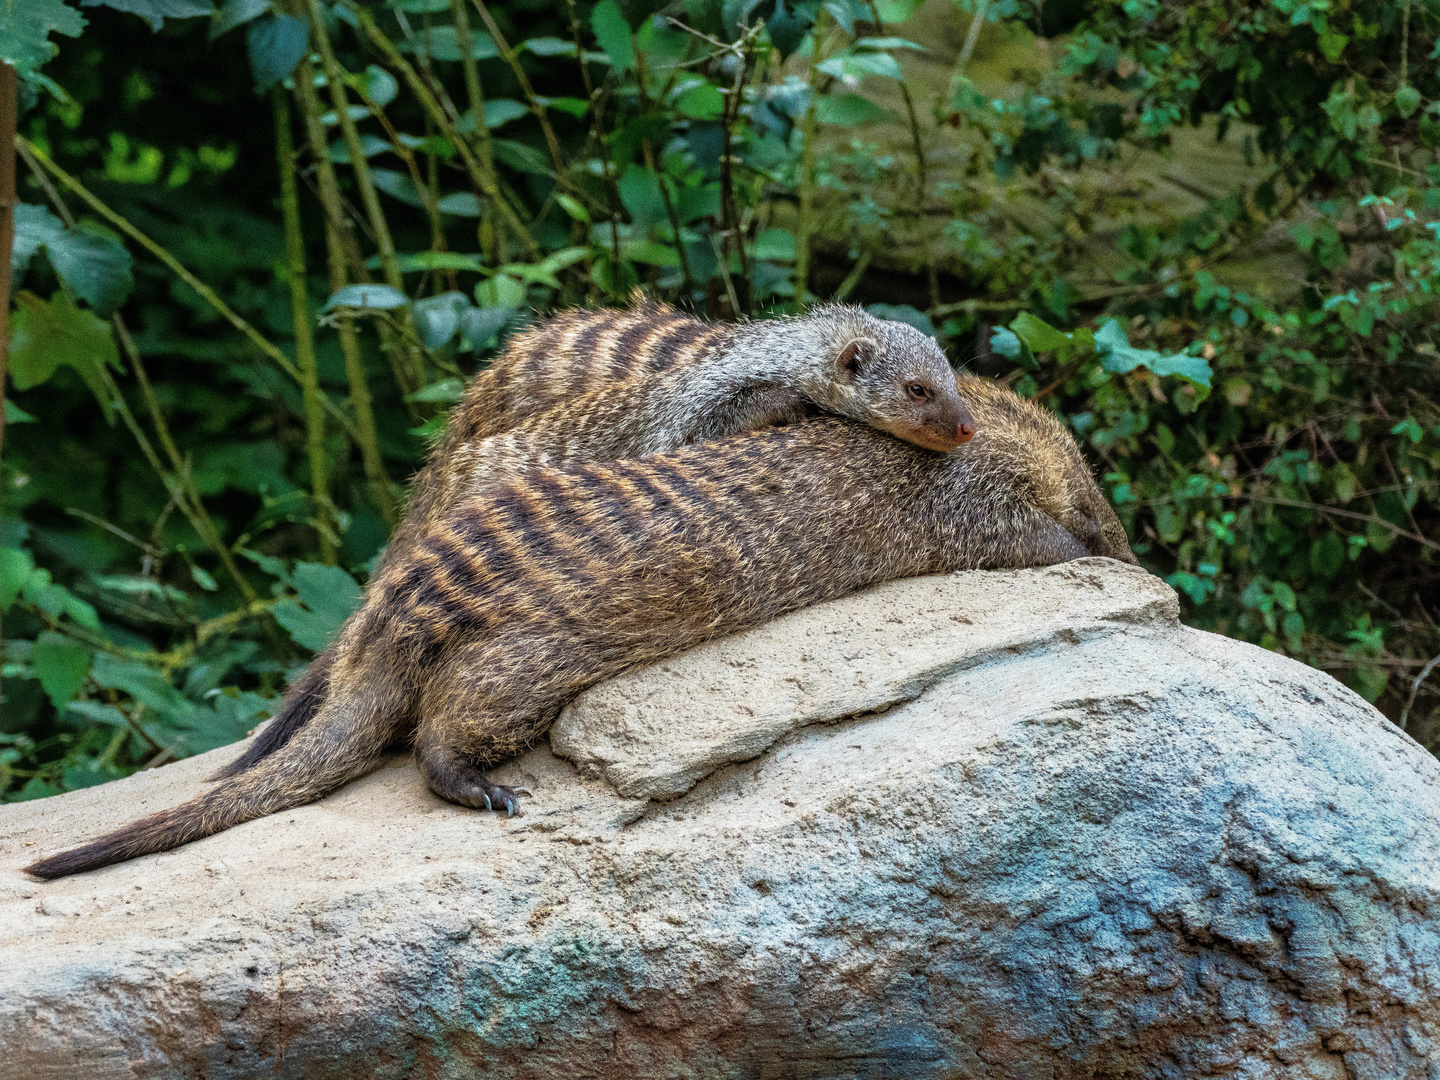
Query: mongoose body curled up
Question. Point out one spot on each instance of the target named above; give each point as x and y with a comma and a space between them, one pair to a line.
606, 385
514, 603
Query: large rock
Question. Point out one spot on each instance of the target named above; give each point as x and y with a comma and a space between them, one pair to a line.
1017, 825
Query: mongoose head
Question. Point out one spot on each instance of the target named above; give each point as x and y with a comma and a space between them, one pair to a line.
891, 376
1026, 441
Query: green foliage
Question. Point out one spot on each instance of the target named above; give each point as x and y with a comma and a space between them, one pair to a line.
1208, 236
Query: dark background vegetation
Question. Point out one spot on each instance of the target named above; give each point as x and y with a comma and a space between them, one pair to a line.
1204, 233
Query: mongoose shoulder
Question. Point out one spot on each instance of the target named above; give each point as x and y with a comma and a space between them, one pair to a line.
605, 385
516, 602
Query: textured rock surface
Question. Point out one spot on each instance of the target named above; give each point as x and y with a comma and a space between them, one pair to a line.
1080, 840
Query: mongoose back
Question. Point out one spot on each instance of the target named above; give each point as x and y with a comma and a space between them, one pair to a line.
606, 385
514, 603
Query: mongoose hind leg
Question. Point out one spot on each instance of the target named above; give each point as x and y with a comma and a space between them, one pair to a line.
457, 779
471, 718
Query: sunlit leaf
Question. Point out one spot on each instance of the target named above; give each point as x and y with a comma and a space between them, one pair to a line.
47, 336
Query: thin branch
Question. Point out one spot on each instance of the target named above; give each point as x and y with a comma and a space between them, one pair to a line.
304, 327
482, 178
1415, 689
269, 349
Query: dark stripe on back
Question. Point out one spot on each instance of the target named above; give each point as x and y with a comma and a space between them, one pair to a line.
623, 356
664, 353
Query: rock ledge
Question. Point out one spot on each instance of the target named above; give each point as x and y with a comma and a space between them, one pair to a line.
1012, 825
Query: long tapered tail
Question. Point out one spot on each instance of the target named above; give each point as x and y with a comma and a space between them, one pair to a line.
301, 704
345, 739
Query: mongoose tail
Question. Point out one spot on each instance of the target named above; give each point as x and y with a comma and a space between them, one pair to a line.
301, 703
344, 740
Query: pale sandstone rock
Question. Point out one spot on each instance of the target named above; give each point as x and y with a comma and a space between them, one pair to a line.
1066, 838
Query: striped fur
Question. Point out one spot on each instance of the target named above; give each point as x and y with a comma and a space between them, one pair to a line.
514, 603
607, 385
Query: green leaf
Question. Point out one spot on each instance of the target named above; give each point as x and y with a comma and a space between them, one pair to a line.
777, 245
1006, 343
459, 204
573, 207
640, 194
1333, 44
501, 290
502, 110
25, 29
849, 110
520, 157
47, 336
1407, 100
702, 102
330, 596
143, 683
853, 66
888, 43
397, 185
89, 259
379, 85
61, 666
904, 313
371, 297
444, 392
442, 43
549, 46
479, 326
155, 12
15, 567
439, 260
1038, 334
236, 13
613, 34
438, 317
14, 414
1119, 356
648, 251
277, 43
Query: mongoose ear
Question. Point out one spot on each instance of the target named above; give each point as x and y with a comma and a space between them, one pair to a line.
855, 357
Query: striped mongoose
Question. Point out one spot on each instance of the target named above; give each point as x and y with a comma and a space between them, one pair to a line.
515, 602
606, 385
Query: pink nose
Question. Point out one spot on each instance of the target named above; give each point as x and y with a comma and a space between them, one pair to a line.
964, 432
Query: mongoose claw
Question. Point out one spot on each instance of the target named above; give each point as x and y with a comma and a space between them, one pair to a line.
499, 797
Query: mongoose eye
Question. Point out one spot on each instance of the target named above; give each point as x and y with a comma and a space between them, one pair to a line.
918, 391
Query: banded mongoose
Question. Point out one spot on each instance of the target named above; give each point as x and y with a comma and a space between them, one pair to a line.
606, 385
514, 603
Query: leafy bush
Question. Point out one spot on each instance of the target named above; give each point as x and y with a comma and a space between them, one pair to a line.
251, 273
